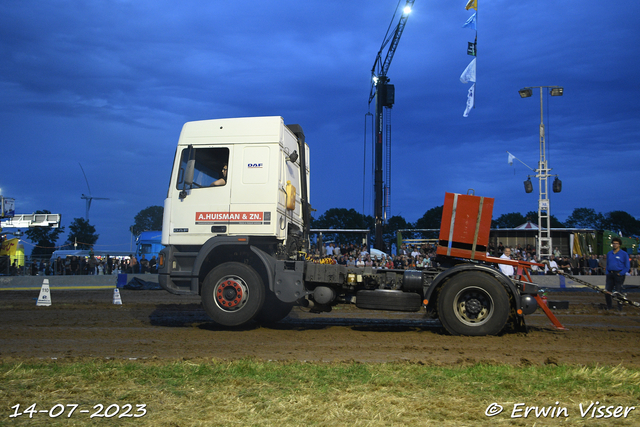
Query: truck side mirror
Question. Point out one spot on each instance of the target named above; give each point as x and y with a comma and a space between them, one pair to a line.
188, 178
188, 173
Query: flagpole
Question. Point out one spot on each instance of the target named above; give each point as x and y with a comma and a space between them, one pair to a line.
469, 74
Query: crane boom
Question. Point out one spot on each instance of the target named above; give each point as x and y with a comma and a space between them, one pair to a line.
383, 67
394, 42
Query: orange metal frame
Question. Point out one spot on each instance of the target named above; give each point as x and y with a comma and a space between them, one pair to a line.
464, 233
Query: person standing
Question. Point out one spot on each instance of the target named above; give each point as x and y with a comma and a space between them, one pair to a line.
506, 269
144, 264
74, 265
93, 263
329, 250
617, 268
133, 264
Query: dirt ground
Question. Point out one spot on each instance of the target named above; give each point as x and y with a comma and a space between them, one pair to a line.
156, 324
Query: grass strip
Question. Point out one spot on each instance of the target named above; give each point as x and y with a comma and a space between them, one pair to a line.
251, 392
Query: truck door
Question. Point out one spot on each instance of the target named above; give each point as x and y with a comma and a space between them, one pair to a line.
255, 192
204, 209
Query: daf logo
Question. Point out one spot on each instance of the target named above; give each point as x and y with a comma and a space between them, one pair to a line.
254, 165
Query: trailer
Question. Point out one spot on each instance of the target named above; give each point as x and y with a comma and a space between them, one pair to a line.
236, 232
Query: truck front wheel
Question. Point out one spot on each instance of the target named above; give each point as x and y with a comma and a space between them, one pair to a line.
232, 294
473, 303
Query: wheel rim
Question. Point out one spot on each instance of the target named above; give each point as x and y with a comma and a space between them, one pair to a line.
473, 306
231, 293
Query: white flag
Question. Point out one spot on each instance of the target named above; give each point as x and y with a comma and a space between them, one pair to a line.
469, 73
511, 157
470, 100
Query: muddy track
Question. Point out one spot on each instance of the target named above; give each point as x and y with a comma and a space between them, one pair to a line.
156, 324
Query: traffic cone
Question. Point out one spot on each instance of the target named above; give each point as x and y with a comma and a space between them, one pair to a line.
44, 299
116, 297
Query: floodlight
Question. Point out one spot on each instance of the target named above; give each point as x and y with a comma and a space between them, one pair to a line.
525, 93
528, 186
556, 91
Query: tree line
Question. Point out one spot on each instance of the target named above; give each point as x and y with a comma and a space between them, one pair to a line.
82, 235
581, 218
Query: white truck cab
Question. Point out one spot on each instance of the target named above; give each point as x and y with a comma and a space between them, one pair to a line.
230, 178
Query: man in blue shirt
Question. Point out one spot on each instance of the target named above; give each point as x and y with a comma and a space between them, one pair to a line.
617, 267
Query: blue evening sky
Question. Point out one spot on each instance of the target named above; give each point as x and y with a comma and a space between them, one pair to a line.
109, 84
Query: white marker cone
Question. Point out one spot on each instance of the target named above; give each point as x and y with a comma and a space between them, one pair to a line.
44, 299
116, 297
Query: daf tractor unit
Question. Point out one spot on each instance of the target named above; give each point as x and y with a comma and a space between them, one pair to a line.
236, 231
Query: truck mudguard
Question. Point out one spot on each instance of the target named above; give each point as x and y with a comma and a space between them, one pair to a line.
289, 283
244, 241
504, 280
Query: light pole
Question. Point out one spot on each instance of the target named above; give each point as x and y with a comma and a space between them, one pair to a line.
544, 244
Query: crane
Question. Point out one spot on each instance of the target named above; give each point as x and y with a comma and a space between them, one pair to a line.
384, 93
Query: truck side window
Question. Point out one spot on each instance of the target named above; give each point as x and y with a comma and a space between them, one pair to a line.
210, 167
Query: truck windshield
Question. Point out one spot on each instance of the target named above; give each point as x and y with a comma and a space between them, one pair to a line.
209, 165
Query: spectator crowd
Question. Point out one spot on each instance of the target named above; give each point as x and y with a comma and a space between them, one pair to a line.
79, 265
577, 265
407, 257
422, 256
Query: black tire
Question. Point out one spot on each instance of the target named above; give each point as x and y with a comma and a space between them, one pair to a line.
232, 294
273, 309
473, 303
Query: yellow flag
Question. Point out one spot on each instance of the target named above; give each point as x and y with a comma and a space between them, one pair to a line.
472, 4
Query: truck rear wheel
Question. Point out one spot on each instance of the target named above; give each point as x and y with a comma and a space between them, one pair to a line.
473, 303
232, 294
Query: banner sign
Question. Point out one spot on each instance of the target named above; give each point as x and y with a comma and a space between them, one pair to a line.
9, 247
471, 50
233, 217
8, 207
